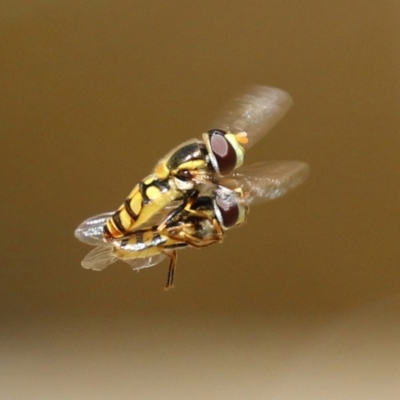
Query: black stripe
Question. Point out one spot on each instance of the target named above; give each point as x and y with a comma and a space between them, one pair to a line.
139, 237
124, 242
163, 186
117, 222
142, 190
128, 209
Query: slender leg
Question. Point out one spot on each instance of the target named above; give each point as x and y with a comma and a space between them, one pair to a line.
217, 228
192, 240
198, 244
188, 200
199, 214
171, 268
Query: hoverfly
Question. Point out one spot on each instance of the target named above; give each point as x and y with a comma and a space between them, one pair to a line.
144, 248
195, 164
201, 222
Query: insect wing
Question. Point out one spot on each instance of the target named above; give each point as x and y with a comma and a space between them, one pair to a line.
99, 258
266, 181
145, 261
102, 256
91, 230
161, 215
141, 249
255, 112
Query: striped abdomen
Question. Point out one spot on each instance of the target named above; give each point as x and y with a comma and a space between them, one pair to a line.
147, 199
145, 243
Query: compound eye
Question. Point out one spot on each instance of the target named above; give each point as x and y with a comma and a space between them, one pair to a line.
223, 151
227, 212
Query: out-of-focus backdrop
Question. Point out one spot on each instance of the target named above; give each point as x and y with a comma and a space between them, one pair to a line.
300, 303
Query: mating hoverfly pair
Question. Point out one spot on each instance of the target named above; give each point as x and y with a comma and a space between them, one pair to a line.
197, 191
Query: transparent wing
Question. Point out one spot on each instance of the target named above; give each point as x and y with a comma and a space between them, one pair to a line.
99, 258
161, 215
139, 253
102, 256
255, 112
90, 231
265, 181
145, 261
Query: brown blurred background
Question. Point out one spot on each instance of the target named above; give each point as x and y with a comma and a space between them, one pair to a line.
300, 303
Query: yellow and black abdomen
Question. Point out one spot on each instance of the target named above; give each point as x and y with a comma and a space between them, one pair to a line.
144, 244
172, 178
147, 199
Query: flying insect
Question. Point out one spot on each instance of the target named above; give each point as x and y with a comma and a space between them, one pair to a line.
202, 221
196, 164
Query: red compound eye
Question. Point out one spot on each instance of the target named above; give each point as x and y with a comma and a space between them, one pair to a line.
228, 210
223, 151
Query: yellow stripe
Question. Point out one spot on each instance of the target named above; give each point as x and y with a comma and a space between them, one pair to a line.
194, 164
125, 218
136, 203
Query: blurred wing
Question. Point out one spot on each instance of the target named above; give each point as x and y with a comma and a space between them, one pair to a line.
102, 256
99, 258
90, 231
145, 261
161, 215
265, 181
140, 253
255, 112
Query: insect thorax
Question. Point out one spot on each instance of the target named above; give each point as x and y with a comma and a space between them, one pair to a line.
190, 157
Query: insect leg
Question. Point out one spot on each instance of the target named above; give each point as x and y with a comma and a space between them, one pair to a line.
199, 243
192, 240
171, 268
188, 200
218, 235
199, 214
